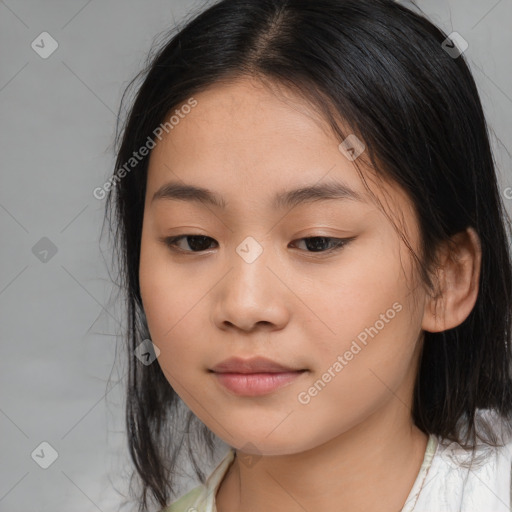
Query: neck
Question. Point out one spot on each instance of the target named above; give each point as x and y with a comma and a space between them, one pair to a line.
371, 467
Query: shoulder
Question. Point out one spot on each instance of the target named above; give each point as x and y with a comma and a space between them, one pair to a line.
486, 459
188, 502
470, 481
202, 497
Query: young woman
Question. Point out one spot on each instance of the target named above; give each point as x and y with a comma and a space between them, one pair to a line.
312, 242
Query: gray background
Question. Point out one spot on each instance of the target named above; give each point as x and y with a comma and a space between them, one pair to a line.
58, 324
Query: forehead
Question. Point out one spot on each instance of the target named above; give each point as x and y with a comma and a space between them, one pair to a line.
247, 134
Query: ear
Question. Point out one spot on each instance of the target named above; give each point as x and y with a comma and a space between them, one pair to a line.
458, 276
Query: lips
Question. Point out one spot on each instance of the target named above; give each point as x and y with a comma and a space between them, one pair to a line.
255, 376
252, 365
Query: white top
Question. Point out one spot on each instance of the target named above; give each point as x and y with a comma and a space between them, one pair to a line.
443, 483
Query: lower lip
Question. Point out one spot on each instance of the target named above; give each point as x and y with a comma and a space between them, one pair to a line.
255, 384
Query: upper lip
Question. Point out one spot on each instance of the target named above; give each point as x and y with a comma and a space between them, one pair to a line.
252, 365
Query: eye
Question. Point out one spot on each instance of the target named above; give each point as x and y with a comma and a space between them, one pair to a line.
323, 243
197, 243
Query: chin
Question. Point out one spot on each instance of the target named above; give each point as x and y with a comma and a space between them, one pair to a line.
262, 445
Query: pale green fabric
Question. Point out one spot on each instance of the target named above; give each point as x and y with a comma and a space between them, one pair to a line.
202, 497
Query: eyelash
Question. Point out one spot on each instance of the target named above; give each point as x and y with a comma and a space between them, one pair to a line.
339, 243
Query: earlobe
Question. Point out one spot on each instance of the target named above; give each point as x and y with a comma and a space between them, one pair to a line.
458, 277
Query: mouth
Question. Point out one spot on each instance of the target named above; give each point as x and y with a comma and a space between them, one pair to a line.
255, 376
255, 384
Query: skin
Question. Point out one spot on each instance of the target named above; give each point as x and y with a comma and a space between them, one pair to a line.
354, 443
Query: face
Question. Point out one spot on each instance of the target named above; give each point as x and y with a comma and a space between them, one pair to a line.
323, 285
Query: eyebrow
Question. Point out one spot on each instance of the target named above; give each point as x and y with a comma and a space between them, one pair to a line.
288, 198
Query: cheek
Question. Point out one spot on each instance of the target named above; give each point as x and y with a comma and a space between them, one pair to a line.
368, 365
173, 302
365, 291
371, 308
165, 289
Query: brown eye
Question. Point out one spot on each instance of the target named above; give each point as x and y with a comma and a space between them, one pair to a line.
195, 243
323, 243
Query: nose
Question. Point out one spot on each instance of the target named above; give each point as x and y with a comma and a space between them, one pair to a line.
251, 297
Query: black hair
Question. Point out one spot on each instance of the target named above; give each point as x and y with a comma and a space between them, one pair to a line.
382, 70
